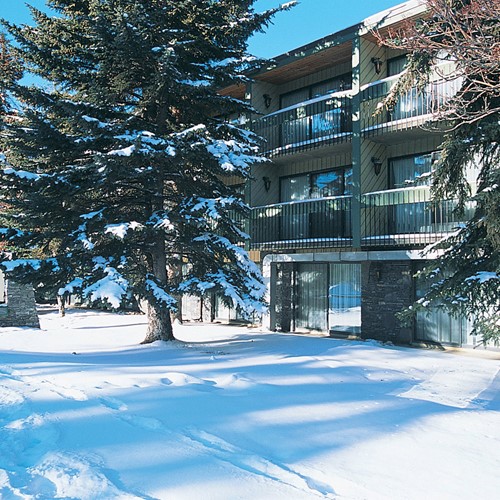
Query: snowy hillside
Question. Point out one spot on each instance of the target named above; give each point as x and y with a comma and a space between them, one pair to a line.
234, 413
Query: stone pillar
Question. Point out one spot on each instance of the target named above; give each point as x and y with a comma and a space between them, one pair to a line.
386, 289
20, 308
282, 300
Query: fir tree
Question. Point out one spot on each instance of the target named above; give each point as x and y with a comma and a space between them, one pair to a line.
115, 169
467, 32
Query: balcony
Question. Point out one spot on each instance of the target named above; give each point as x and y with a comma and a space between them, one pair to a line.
317, 223
413, 109
407, 217
310, 124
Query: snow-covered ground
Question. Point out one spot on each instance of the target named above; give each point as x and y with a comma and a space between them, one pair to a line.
234, 413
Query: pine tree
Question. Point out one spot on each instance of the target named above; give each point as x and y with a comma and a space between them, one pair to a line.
115, 169
466, 32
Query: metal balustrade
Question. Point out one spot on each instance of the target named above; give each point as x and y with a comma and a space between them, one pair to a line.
407, 216
413, 108
317, 223
320, 121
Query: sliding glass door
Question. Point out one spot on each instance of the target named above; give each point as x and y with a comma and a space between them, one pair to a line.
344, 296
311, 299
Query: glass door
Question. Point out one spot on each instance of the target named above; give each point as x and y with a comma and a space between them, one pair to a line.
344, 295
411, 216
311, 300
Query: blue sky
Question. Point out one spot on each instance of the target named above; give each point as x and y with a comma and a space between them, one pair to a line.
308, 21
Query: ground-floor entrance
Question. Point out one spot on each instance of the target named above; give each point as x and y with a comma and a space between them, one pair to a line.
360, 297
317, 296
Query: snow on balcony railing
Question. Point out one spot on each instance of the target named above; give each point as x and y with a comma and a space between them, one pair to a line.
309, 124
414, 107
408, 216
316, 223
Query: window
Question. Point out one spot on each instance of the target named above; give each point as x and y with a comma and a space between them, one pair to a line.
316, 219
337, 84
411, 170
396, 65
318, 296
410, 215
334, 182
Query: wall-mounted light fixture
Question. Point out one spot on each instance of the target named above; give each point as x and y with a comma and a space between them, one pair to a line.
377, 64
267, 100
267, 183
377, 165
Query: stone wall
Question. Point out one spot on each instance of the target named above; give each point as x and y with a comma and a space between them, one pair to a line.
19, 309
386, 288
282, 298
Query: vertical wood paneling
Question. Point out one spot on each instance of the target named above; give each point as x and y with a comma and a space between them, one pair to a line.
368, 51
425, 144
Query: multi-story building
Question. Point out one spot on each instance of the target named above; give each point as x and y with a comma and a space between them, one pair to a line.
341, 214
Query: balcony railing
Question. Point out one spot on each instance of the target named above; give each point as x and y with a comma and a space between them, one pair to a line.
318, 223
320, 121
407, 216
413, 108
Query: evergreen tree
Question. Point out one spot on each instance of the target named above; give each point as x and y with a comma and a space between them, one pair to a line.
466, 32
115, 170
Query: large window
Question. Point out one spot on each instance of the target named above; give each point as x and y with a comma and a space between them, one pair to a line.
335, 182
411, 170
412, 103
317, 120
337, 84
412, 214
316, 219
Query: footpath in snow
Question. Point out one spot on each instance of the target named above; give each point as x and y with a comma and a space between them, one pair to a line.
235, 413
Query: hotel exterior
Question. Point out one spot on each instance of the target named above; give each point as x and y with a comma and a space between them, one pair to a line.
342, 212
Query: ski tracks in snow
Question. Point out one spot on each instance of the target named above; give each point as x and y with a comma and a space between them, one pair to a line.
209, 444
256, 464
32, 465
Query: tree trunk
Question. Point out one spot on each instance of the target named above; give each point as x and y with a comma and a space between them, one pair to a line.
175, 276
159, 322
159, 325
61, 302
